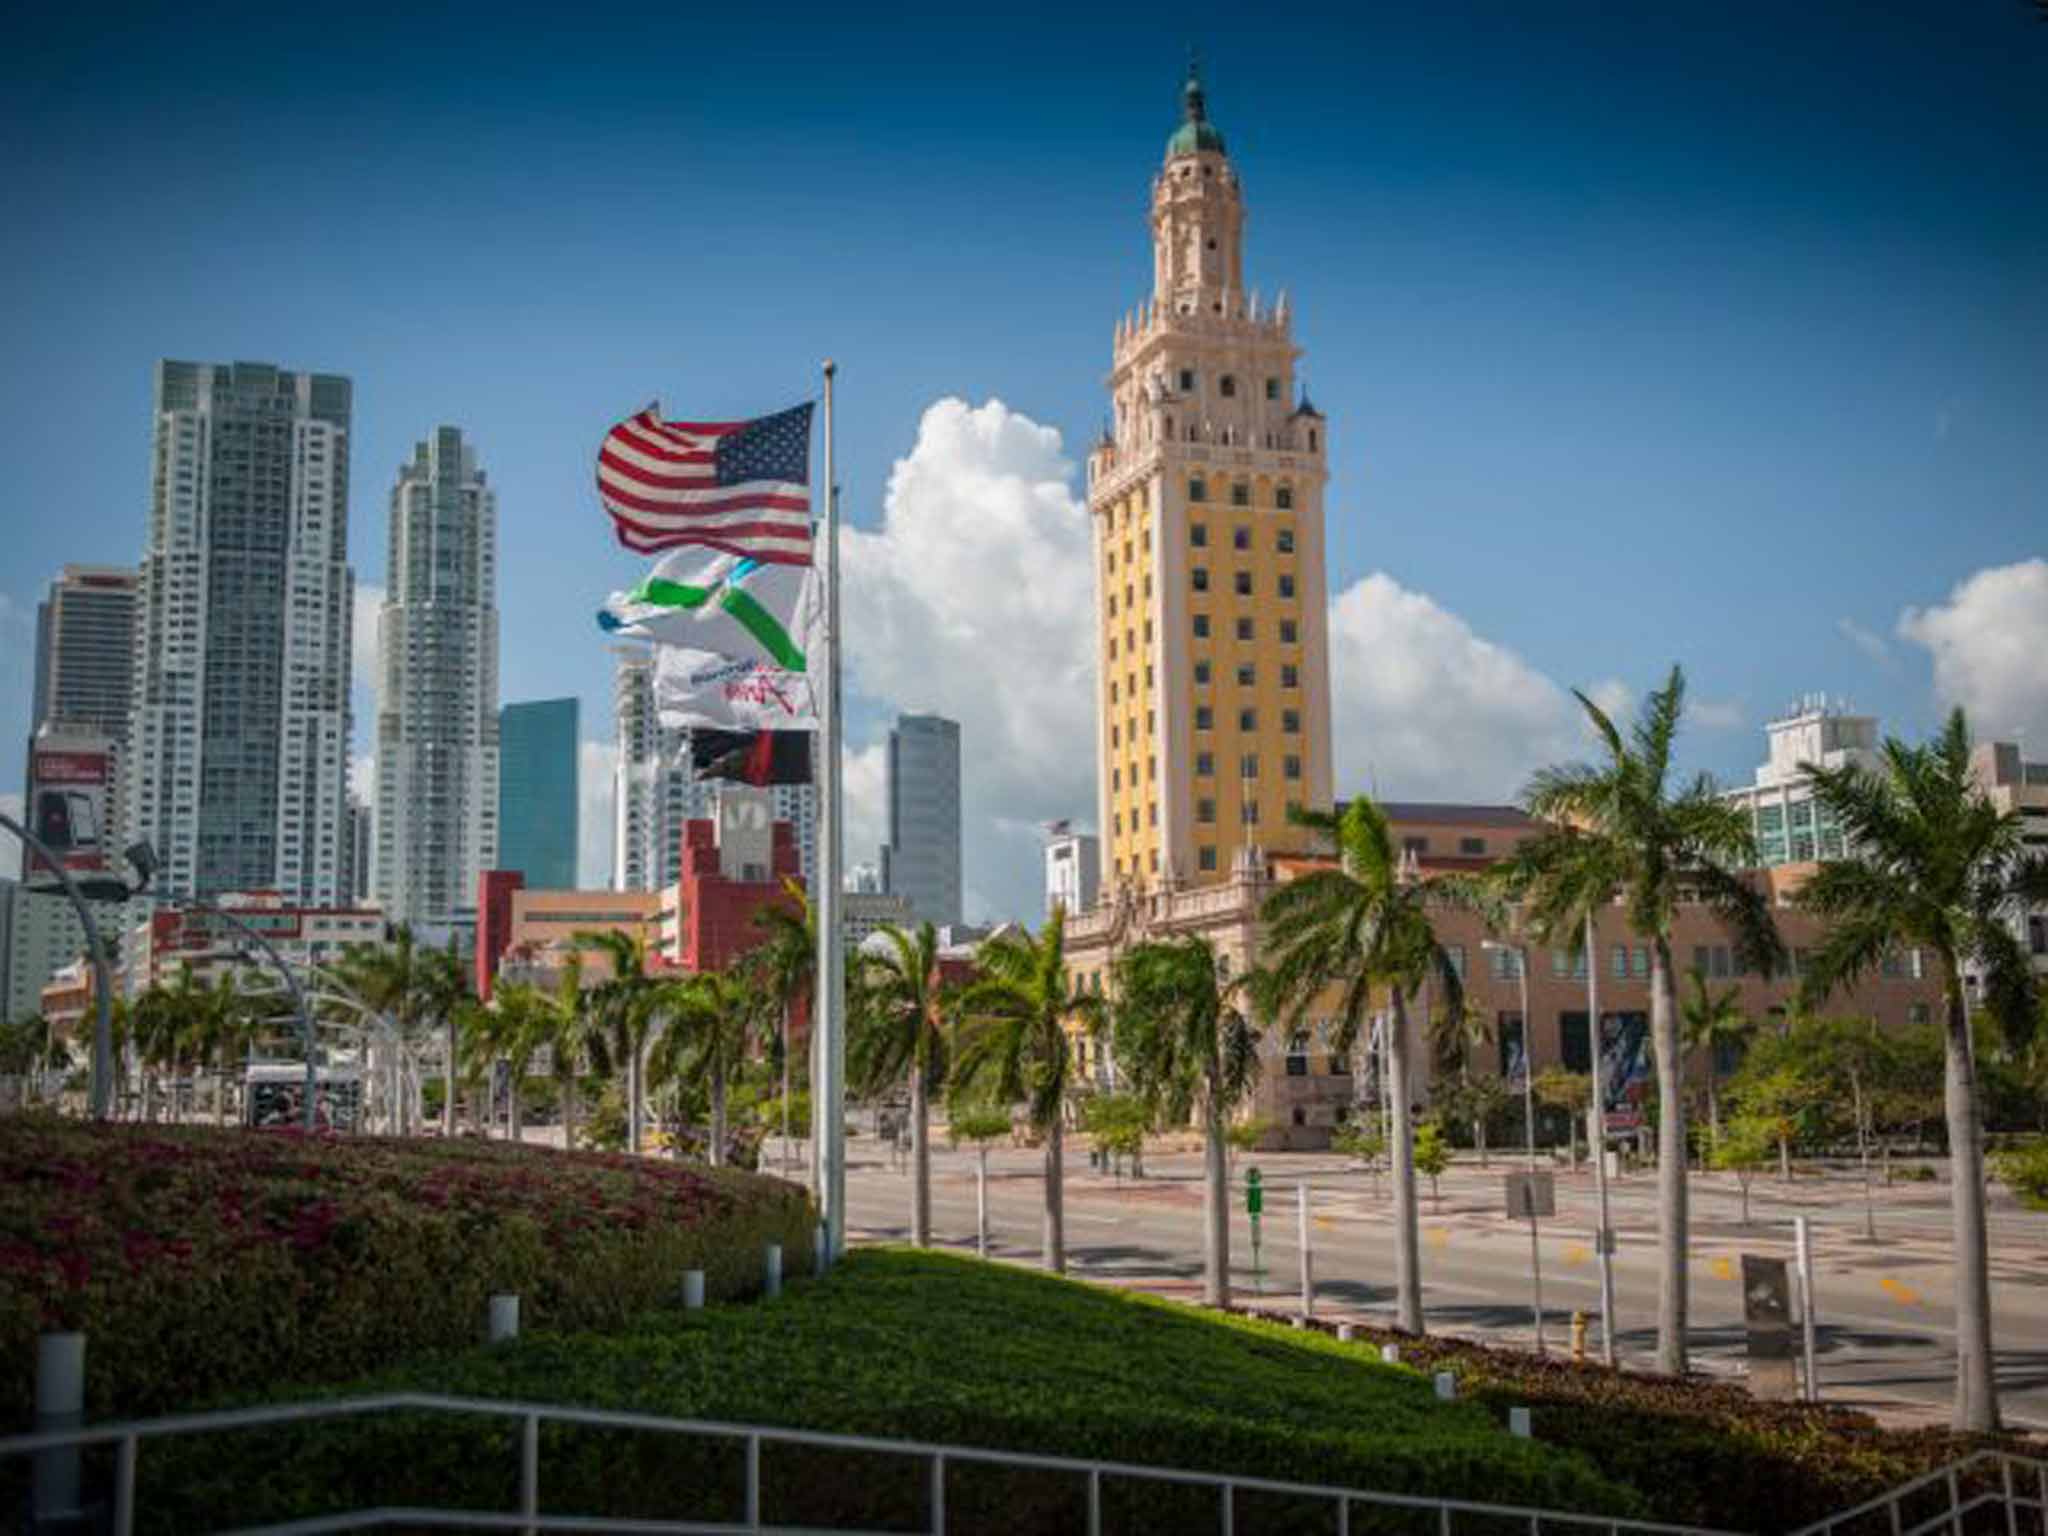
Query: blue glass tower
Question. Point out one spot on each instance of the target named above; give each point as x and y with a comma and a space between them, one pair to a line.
537, 799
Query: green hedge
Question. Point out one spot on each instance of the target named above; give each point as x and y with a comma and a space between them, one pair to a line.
899, 1345
200, 1261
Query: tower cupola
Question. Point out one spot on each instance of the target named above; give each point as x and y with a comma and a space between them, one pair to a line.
1196, 135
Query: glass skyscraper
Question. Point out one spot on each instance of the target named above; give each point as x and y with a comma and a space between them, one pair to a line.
537, 792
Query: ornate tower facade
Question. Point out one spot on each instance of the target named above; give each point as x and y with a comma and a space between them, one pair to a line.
1206, 495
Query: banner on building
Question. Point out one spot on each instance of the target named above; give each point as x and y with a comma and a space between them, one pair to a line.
70, 785
703, 688
1625, 1069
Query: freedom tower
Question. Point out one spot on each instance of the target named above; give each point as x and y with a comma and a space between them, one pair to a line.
1206, 497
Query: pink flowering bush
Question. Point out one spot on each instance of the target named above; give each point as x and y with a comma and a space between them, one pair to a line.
201, 1261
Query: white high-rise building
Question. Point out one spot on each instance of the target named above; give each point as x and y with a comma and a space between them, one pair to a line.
655, 793
921, 860
436, 823
1073, 870
237, 768
1791, 826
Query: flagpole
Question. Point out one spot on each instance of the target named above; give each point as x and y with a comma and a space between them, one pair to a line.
828, 1081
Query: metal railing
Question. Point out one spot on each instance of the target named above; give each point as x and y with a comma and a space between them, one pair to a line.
1993, 1481
127, 1439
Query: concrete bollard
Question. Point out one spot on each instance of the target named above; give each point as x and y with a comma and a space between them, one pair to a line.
1344, 1333
1446, 1387
504, 1322
771, 1271
1518, 1423
60, 1404
821, 1252
1578, 1335
693, 1290
1390, 1354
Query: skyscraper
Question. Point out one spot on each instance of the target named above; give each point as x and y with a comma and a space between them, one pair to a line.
921, 861
85, 651
537, 799
237, 763
436, 825
1206, 496
656, 794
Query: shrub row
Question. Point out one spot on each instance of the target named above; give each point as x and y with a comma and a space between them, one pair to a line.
898, 1345
200, 1262
1702, 1452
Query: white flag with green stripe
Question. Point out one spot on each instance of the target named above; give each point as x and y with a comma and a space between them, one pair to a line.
729, 606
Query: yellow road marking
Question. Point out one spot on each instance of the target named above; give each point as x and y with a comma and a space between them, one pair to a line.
1577, 1253
1436, 1237
1723, 1269
1323, 1221
1904, 1295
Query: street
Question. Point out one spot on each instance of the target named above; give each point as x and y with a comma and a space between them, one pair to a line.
1884, 1309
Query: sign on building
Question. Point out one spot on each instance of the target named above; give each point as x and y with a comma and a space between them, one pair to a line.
68, 807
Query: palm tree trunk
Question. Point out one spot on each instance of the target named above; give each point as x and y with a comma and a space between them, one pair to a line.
1407, 1220
1976, 1384
517, 1112
1713, 1108
1673, 1356
569, 1114
448, 1083
1055, 1197
1215, 1210
717, 1109
920, 1161
633, 1097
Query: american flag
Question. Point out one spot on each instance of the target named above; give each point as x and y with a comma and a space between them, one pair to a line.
740, 486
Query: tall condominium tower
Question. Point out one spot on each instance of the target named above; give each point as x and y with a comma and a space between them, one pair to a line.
436, 825
537, 799
237, 763
655, 793
1206, 495
921, 861
85, 651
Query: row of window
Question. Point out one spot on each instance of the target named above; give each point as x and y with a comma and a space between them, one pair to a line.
1241, 538
1240, 492
1244, 628
1247, 676
1226, 385
1241, 581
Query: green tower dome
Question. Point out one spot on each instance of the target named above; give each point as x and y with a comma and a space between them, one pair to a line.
1196, 135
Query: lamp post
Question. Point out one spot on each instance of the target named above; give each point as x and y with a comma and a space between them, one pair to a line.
102, 888
1521, 954
1604, 1238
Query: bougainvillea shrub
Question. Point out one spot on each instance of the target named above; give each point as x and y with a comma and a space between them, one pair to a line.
200, 1261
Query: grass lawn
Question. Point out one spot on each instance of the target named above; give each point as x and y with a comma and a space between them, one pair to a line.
910, 1345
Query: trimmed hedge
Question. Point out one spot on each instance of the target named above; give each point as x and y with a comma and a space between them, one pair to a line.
1702, 1452
202, 1261
903, 1345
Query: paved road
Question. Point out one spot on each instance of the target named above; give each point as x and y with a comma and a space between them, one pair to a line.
1884, 1308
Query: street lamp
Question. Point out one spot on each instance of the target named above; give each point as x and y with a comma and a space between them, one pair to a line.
1521, 954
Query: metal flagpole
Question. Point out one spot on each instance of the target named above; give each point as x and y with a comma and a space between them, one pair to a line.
828, 1082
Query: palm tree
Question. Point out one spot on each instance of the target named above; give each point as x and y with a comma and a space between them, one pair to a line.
623, 1013
566, 1028
902, 1024
709, 1023
1619, 827
225, 1019
166, 1020
1188, 1046
417, 989
1361, 926
1713, 1022
1013, 1045
1937, 866
789, 957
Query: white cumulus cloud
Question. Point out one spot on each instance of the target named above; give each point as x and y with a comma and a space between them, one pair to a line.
1869, 642
1987, 641
1423, 708
594, 770
974, 600
864, 775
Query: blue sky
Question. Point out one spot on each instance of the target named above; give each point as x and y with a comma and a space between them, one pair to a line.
1645, 333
